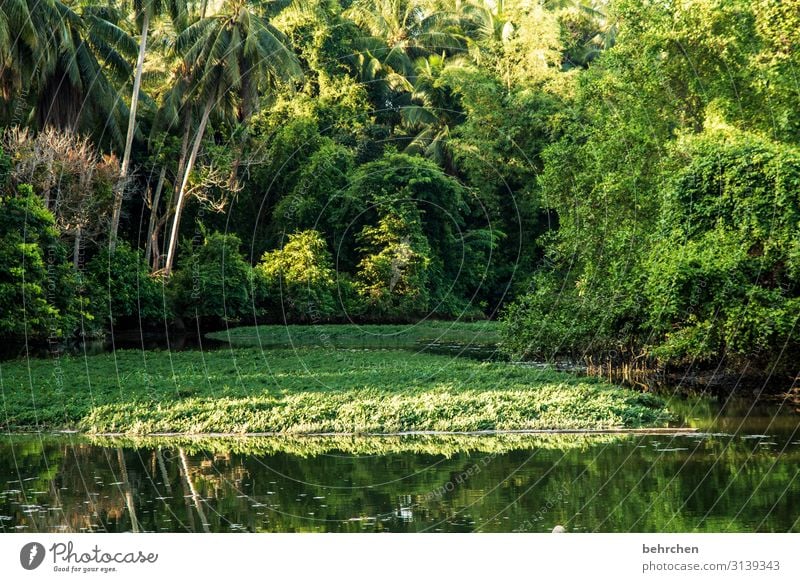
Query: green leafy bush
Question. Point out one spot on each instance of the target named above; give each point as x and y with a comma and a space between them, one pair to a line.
313, 200
393, 275
38, 285
214, 280
409, 236
299, 280
120, 287
716, 278
722, 277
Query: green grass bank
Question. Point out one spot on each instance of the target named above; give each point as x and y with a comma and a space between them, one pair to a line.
468, 334
306, 390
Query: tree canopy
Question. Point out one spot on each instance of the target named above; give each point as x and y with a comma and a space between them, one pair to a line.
611, 178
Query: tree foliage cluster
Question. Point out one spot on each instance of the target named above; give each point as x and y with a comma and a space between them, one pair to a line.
615, 178
675, 176
303, 161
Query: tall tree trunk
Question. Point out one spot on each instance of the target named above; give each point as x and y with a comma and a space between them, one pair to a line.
176, 222
160, 250
126, 157
187, 130
151, 227
76, 250
248, 105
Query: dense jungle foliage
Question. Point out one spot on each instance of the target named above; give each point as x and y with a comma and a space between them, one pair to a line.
615, 179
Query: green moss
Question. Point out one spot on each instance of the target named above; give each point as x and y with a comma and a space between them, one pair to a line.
308, 390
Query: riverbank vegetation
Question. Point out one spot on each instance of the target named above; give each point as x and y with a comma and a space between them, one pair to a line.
305, 446
480, 334
248, 390
612, 179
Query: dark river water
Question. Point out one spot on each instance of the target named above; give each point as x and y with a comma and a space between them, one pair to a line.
739, 473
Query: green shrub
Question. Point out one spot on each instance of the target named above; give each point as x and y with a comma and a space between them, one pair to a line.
38, 284
120, 286
717, 278
214, 281
393, 275
298, 281
313, 201
722, 277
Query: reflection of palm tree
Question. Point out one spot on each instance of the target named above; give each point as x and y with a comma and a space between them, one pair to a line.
192, 491
127, 492
163, 468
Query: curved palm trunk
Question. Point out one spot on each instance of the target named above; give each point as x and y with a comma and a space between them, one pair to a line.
159, 250
176, 221
151, 245
126, 157
76, 249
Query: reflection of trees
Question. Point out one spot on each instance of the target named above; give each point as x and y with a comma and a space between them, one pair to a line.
187, 479
126, 491
26, 459
163, 469
312, 446
610, 485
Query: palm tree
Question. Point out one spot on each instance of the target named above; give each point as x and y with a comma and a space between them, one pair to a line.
68, 60
434, 109
587, 29
492, 24
396, 34
19, 46
408, 30
229, 56
176, 111
87, 54
490, 28
144, 11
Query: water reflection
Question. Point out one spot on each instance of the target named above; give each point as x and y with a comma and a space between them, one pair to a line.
704, 482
